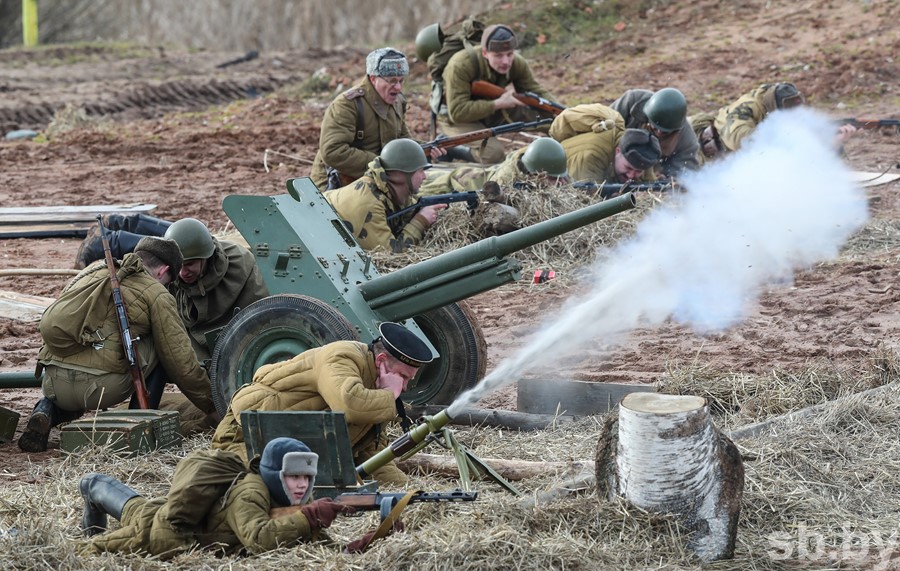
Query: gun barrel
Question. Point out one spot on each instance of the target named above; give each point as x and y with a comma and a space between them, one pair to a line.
494, 247
414, 440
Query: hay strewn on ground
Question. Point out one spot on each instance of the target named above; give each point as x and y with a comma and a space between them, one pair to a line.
832, 478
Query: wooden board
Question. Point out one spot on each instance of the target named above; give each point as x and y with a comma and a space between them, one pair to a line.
37, 214
21, 307
579, 398
64, 230
874, 178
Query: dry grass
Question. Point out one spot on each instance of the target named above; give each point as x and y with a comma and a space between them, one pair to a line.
827, 476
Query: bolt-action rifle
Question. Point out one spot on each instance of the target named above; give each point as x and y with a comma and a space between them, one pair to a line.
131, 354
480, 134
486, 89
470, 198
610, 189
869, 123
385, 502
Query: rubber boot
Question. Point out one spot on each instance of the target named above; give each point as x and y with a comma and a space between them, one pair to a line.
91, 250
103, 496
155, 383
37, 430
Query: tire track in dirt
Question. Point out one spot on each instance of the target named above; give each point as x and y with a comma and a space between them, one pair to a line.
149, 100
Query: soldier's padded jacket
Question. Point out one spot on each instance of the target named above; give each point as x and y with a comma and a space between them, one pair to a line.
467, 66
738, 120
240, 525
679, 157
590, 133
364, 206
339, 146
339, 376
80, 329
232, 280
469, 178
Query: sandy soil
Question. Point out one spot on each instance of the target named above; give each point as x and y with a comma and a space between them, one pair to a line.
171, 129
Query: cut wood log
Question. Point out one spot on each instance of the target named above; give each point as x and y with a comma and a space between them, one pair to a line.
577, 398
509, 469
496, 418
664, 454
38, 214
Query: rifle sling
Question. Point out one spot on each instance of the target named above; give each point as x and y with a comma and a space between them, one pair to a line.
387, 524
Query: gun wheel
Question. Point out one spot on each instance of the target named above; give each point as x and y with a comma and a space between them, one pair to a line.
272, 329
456, 335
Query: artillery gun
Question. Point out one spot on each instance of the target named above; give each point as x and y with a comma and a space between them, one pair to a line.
324, 288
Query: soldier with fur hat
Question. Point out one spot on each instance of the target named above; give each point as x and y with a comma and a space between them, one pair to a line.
237, 520
362, 381
362, 120
82, 355
496, 62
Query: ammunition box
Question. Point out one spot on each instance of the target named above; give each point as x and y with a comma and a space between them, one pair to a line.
9, 419
166, 426
128, 436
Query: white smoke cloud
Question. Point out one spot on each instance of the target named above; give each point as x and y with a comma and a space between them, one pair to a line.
783, 202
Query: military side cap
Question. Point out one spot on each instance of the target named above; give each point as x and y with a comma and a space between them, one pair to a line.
404, 345
641, 148
499, 38
165, 249
387, 62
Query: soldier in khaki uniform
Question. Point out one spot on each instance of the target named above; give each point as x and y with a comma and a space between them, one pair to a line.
599, 148
663, 113
736, 121
389, 185
362, 381
239, 523
82, 354
362, 120
497, 62
703, 125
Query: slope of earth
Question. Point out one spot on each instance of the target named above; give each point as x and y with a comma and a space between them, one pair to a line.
148, 134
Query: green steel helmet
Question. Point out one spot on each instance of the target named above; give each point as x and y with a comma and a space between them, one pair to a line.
404, 155
429, 40
666, 110
193, 238
545, 155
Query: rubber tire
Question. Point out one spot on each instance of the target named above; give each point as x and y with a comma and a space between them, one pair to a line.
456, 335
275, 328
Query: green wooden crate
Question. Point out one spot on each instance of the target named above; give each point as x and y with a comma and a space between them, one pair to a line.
128, 436
166, 425
9, 419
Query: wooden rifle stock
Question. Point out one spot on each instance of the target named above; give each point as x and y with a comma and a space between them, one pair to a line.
869, 122
369, 501
131, 353
448, 142
487, 90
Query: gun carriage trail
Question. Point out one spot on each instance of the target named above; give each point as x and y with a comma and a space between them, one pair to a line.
167, 127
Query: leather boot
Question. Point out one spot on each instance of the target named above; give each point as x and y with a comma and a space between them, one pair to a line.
91, 248
103, 496
37, 430
139, 224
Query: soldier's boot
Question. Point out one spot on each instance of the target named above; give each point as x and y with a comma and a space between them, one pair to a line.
91, 250
37, 430
155, 382
138, 224
459, 153
103, 496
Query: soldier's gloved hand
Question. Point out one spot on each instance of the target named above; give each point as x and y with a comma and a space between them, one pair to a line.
321, 513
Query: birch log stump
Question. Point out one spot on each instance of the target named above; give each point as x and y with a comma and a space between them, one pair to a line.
663, 454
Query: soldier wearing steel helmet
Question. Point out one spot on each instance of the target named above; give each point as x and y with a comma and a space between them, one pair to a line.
362, 120
663, 113
389, 185
217, 279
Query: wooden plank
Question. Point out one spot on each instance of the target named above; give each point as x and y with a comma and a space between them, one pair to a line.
37, 214
874, 178
22, 307
64, 230
578, 398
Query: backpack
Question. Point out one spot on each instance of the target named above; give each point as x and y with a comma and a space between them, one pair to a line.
467, 37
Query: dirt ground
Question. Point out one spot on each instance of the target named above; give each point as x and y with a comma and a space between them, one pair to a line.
171, 129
